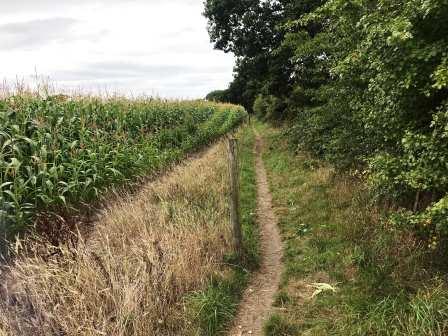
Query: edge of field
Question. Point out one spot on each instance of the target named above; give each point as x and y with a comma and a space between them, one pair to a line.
209, 311
54, 200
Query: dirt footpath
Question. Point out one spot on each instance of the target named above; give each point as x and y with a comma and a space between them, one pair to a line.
256, 305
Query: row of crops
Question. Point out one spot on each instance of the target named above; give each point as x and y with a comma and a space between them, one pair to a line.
58, 152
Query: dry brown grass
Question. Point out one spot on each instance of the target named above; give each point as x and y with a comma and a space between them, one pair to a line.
131, 275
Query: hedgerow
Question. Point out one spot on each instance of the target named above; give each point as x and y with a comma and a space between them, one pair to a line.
363, 84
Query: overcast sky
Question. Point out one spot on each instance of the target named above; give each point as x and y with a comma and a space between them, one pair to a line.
154, 47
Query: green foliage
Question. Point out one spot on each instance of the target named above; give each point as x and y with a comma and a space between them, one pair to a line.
248, 199
217, 96
249, 29
424, 314
277, 326
363, 84
268, 107
245, 28
386, 284
431, 224
58, 152
261, 106
214, 307
422, 164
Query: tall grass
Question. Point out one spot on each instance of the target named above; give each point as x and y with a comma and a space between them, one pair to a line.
214, 307
385, 281
57, 152
146, 254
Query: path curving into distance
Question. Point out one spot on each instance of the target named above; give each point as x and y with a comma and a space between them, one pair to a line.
256, 305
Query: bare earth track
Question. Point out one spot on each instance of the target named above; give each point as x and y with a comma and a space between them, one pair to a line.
256, 305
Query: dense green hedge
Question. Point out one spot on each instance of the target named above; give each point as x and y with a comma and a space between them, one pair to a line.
363, 84
57, 152
384, 107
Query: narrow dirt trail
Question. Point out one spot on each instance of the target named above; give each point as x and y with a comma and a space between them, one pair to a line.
256, 305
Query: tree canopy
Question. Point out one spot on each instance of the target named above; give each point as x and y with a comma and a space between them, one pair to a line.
363, 84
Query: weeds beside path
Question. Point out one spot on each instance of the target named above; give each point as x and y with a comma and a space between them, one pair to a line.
259, 296
348, 271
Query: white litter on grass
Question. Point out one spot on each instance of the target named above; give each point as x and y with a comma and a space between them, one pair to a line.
321, 288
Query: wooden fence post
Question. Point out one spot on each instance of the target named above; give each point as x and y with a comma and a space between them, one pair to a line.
235, 196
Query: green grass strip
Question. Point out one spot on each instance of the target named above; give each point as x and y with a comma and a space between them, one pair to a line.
215, 307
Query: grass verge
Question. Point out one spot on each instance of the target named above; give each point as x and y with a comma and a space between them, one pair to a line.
348, 271
214, 307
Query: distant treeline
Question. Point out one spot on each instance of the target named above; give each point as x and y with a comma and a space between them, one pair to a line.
363, 84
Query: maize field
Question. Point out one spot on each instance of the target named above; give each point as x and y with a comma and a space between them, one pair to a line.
58, 152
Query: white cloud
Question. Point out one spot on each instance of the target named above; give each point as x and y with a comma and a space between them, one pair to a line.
31, 34
138, 46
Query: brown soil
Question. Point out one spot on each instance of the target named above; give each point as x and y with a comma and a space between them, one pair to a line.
256, 305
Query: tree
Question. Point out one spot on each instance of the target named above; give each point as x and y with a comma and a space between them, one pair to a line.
364, 82
217, 96
245, 27
254, 31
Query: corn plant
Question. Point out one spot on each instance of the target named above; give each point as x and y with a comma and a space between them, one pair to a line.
56, 152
